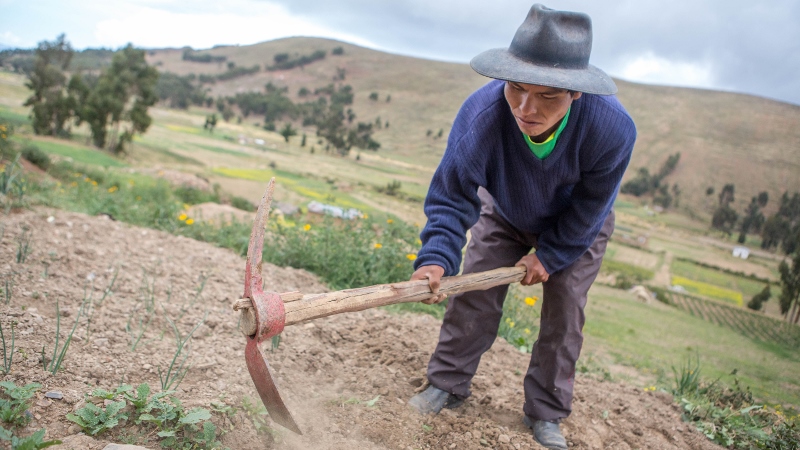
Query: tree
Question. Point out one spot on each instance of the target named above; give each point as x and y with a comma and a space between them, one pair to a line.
758, 300
783, 228
753, 218
51, 105
373, 96
287, 132
726, 196
211, 122
790, 289
724, 219
115, 106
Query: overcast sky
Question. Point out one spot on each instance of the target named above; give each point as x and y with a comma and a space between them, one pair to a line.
743, 46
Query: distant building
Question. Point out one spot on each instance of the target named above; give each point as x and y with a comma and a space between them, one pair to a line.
741, 252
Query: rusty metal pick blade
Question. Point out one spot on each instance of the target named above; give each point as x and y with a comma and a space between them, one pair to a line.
267, 389
269, 315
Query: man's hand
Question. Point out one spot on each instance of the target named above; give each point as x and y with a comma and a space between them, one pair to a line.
433, 274
536, 272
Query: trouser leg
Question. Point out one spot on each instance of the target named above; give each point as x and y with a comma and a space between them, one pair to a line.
550, 376
471, 320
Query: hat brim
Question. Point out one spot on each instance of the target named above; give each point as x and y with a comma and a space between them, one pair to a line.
498, 63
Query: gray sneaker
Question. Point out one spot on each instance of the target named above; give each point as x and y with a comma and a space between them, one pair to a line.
433, 399
547, 434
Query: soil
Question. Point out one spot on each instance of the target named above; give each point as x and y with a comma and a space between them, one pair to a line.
346, 378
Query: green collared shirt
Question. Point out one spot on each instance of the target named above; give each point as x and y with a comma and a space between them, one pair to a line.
542, 150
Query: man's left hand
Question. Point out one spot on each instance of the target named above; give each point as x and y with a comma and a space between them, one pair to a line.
536, 272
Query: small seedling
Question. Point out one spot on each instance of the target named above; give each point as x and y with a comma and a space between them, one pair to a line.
8, 286
24, 245
109, 290
177, 367
15, 401
8, 356
58, 356
33, 442
136, 335
95, 420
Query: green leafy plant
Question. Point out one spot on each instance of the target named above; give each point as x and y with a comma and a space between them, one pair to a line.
8, 286
8, 356
94, 420
257, 413
33, 442
14, 401
687, 377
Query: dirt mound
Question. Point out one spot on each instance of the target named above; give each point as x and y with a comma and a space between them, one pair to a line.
346, 378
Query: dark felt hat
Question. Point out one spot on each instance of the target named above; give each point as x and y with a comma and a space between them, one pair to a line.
551, 48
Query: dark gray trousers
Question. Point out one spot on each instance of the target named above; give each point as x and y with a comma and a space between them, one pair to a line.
472, 318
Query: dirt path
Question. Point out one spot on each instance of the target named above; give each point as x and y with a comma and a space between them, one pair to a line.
663, 277
327, 369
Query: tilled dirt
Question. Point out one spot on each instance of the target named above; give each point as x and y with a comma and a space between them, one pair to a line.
345, 378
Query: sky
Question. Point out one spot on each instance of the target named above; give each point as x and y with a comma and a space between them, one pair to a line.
734, 45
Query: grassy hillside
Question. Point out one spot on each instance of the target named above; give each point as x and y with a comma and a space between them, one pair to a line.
723, 137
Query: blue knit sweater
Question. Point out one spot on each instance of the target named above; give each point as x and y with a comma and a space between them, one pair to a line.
564, 198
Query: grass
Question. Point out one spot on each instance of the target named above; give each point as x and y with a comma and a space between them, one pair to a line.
77, 153
686, 269
653, 338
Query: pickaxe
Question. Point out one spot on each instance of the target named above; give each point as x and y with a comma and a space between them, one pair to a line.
265, 314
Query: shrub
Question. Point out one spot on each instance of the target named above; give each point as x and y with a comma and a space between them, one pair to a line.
36, 156
242, 203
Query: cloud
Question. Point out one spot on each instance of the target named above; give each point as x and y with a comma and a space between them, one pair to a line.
148, 26
649, 68
9, 38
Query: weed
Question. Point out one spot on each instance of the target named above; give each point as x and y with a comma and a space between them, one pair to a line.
258, 414
95, 420
177, 368
12, 185
58, 356
15, 401
109, 290
136, 335
8, 356
519, 323
33, 442
8, 286
687, 379
24, 245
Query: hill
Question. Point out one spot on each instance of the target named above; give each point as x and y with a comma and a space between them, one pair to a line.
723, 137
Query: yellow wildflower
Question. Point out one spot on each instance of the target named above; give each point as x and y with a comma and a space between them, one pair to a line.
189, 221
112, 189
94, 183
366, 216
508, 319
87, 179
138, 198
131, 183
530, 301
183, 217
378, 245
74, 183
511, 324
306, 227
389, 221
527, 331
419, 241
411, 256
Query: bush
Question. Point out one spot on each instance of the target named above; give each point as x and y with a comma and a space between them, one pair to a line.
337, 51
242, 203
193, 196
36, 157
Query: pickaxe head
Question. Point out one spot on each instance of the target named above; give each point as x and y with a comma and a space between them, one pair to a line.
269, 317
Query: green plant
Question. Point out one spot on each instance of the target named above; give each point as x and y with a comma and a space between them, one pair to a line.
8, 286
14, 401
59, 354
177, 369
136, 335
257, 413
36, 156
518, 325
109, 290
33, 442
687, 378
94, 420
24, 245
8, 356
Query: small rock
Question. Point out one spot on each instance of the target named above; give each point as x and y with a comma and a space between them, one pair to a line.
638, 431
504, 439
415, 381
476, 434
74, 429
468, 435
44, 403
101, 342
54, 394
51, 219
610, 423
146, 366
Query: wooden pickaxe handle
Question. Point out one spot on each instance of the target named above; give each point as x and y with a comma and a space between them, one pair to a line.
300, 308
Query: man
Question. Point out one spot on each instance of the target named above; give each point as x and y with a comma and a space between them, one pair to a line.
534, 161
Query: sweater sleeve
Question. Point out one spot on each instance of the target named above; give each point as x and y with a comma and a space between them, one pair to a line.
452, 207
591, 201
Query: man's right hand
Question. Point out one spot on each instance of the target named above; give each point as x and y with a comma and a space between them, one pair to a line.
433, 274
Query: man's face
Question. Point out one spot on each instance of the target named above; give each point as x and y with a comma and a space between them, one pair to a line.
538, 109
